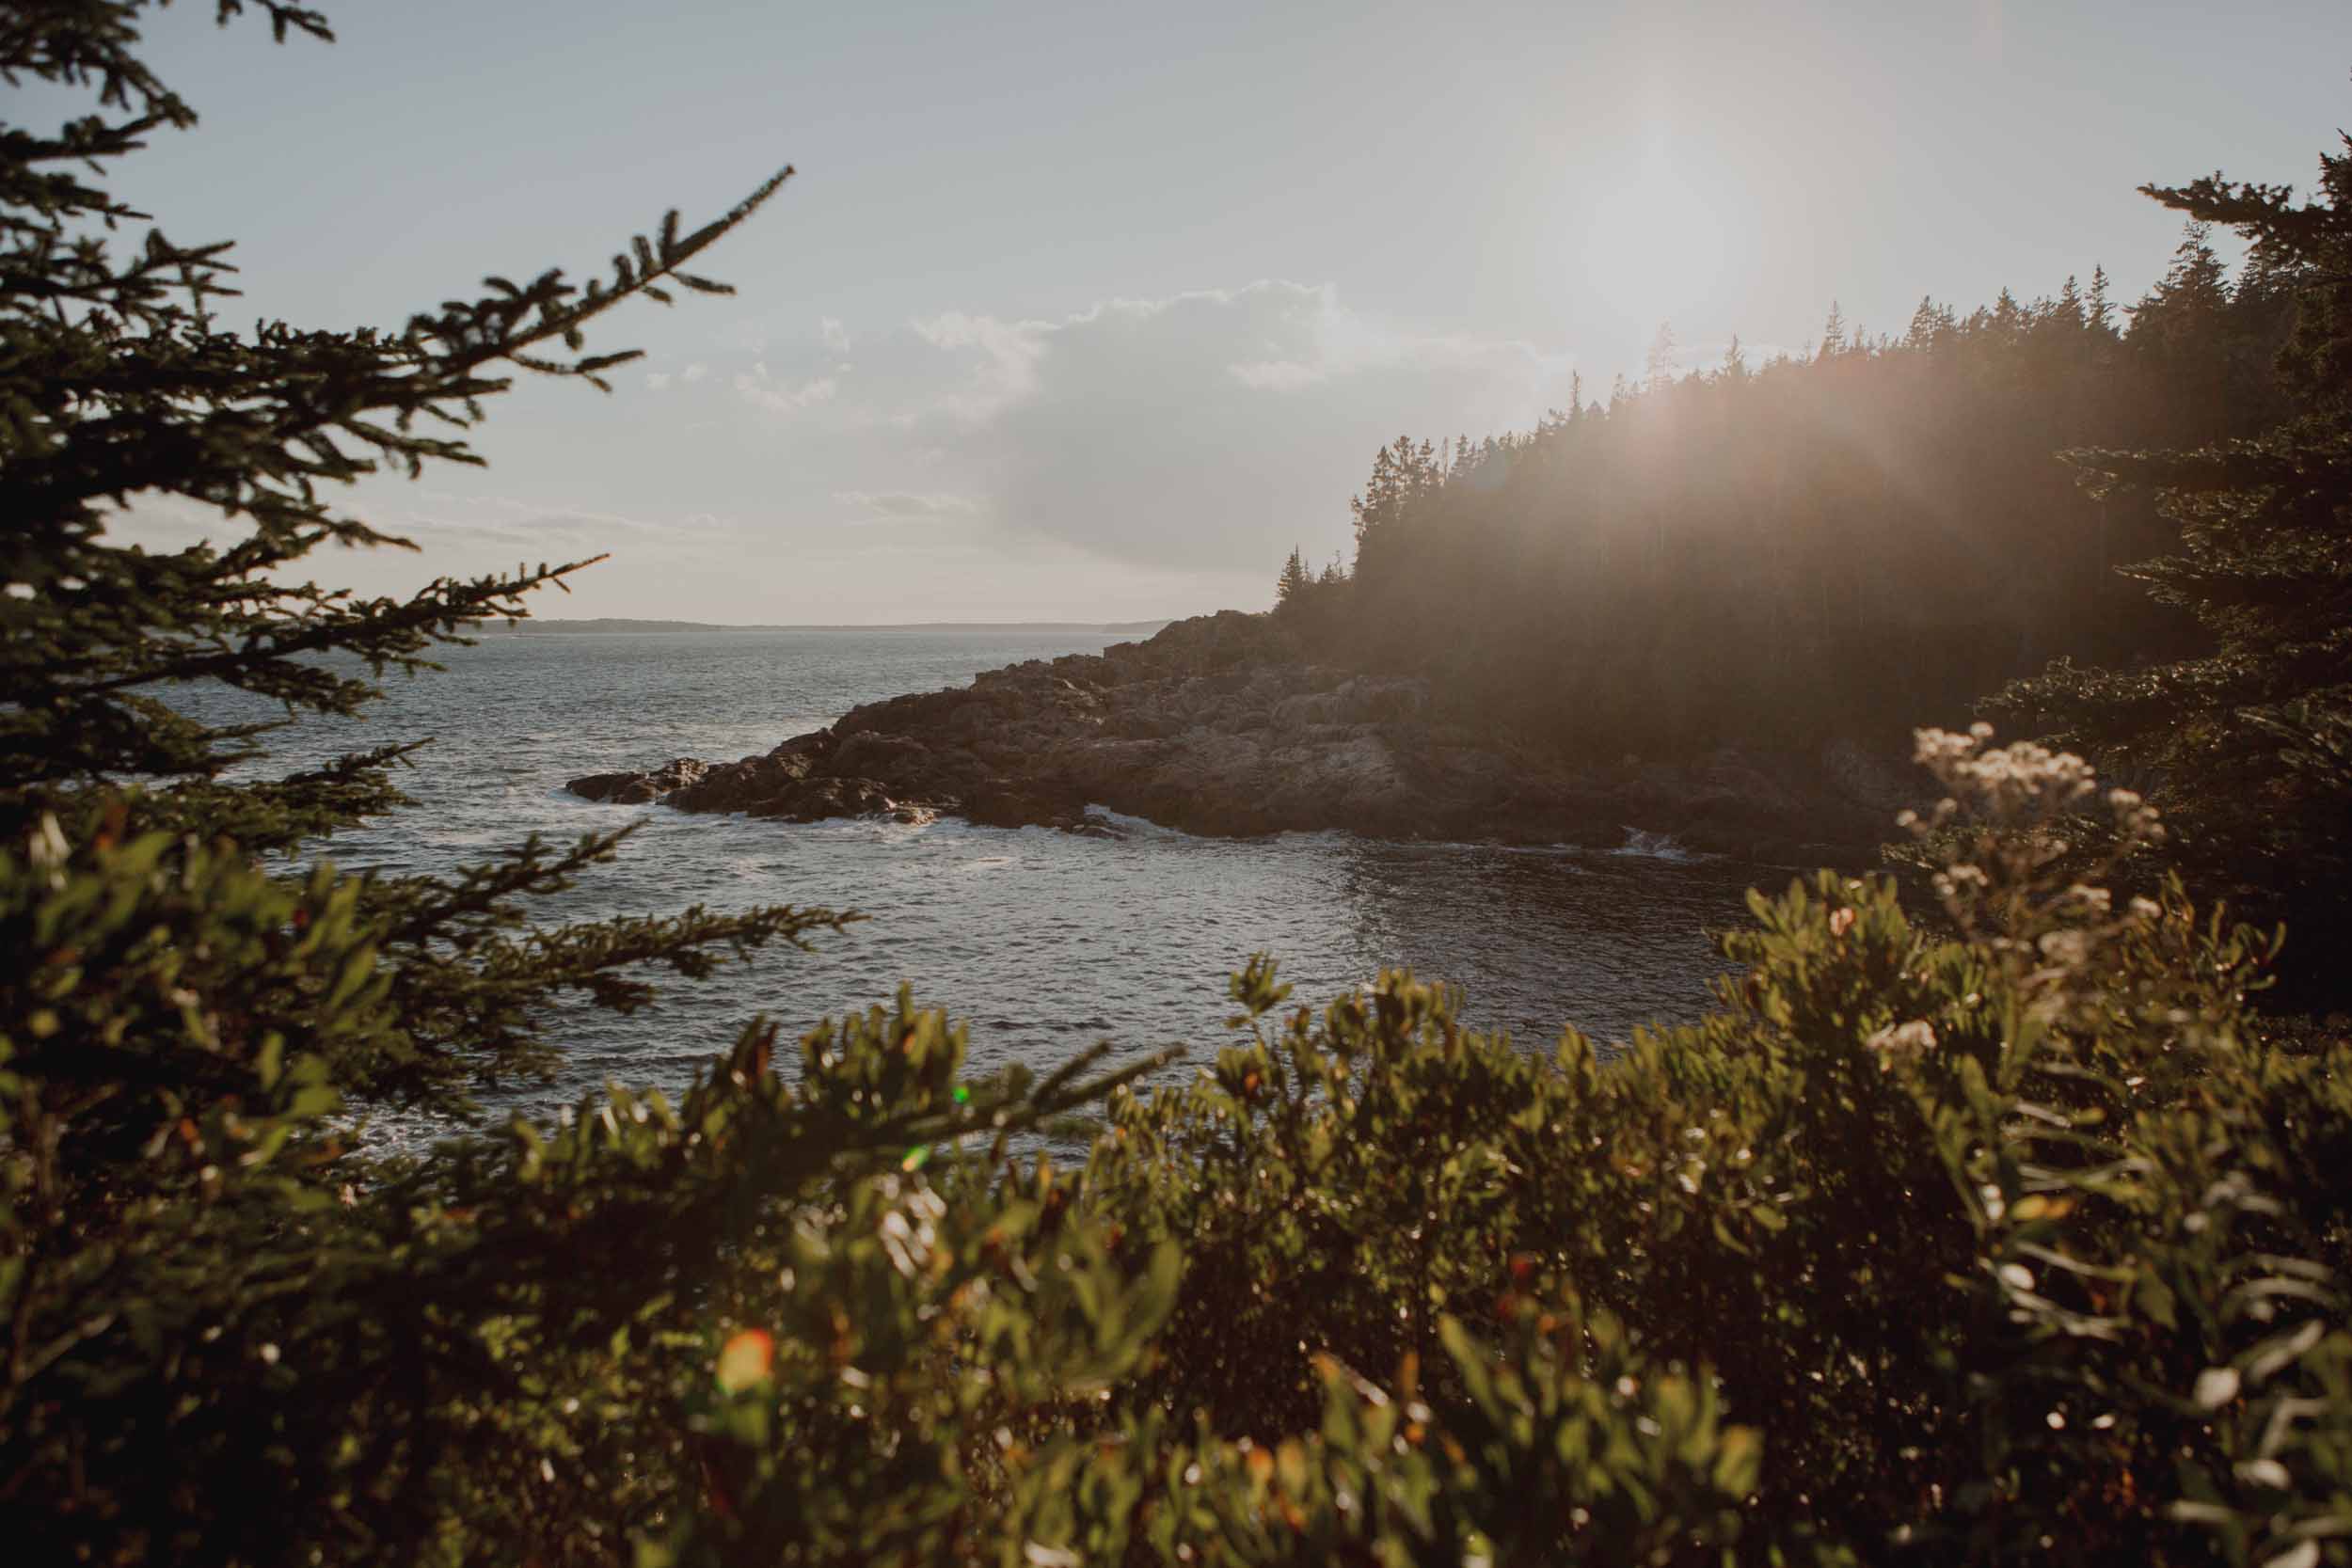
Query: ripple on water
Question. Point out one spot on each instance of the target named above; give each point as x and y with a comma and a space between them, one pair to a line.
1049, 941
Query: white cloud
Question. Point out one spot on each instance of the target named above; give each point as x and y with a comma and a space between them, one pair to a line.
762, 389
835, 335
1190, 439
1004, 367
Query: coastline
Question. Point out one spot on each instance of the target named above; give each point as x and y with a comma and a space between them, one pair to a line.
1216, 727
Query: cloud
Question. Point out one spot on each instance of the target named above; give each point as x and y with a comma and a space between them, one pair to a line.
907, 503
1205, 429
763, 391
1001, 359
1136, 456
1150, 454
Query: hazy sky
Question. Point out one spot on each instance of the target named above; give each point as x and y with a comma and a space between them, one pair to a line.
1091, 311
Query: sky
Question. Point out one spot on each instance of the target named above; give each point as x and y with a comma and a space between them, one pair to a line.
1093, 312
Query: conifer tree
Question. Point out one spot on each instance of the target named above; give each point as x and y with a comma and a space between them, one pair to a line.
2098, 312
2249, 745
1657, 366
1293, 583
1346, 1296
1834, 332
230, 1336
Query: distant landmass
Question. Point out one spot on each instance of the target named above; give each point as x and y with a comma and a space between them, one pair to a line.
613, 624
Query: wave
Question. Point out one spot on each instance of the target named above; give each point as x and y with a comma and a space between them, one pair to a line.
1125, 826
1642, 843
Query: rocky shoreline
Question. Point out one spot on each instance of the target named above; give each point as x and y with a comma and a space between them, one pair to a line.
1215, 726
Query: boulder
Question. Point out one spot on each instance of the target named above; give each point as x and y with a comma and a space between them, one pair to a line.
636, 789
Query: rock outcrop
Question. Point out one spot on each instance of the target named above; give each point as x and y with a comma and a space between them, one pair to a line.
636, 789
1215, 726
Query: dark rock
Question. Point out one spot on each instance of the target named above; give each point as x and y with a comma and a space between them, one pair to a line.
805, 750
1216, 726
814, 800
742, 785
878, 751
636, 789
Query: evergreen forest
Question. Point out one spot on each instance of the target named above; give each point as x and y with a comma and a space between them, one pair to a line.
1842, 542
1996, 1212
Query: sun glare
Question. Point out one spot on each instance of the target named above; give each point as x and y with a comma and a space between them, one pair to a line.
1651, 246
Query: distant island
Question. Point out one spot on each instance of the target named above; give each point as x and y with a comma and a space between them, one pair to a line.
613, 624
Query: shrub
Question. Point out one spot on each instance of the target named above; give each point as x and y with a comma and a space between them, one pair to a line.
2007, 1232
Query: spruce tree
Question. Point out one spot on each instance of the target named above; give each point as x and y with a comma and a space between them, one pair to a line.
1413, 1321
234, 1334
1834, 332
1658, 367
2249, 745
1290, 587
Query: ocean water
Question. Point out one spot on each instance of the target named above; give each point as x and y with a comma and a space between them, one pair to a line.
1045, 942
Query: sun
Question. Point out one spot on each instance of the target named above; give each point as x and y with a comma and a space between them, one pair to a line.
1651, 245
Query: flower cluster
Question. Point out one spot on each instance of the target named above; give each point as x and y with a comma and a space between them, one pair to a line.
2018, 826
2017, 783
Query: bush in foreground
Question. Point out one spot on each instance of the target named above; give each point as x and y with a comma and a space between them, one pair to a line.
2014, 1237
2017, 1235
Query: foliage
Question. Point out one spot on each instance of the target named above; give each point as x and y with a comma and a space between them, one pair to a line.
2015, 1235
2248, 744
121, 382
235, 1341
1826, 543
1311, 603
232, 1334
2013, 1232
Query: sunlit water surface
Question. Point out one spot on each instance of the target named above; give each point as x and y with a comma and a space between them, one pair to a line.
1045, 942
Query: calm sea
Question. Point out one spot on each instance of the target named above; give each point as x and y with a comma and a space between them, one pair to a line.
1044, 941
